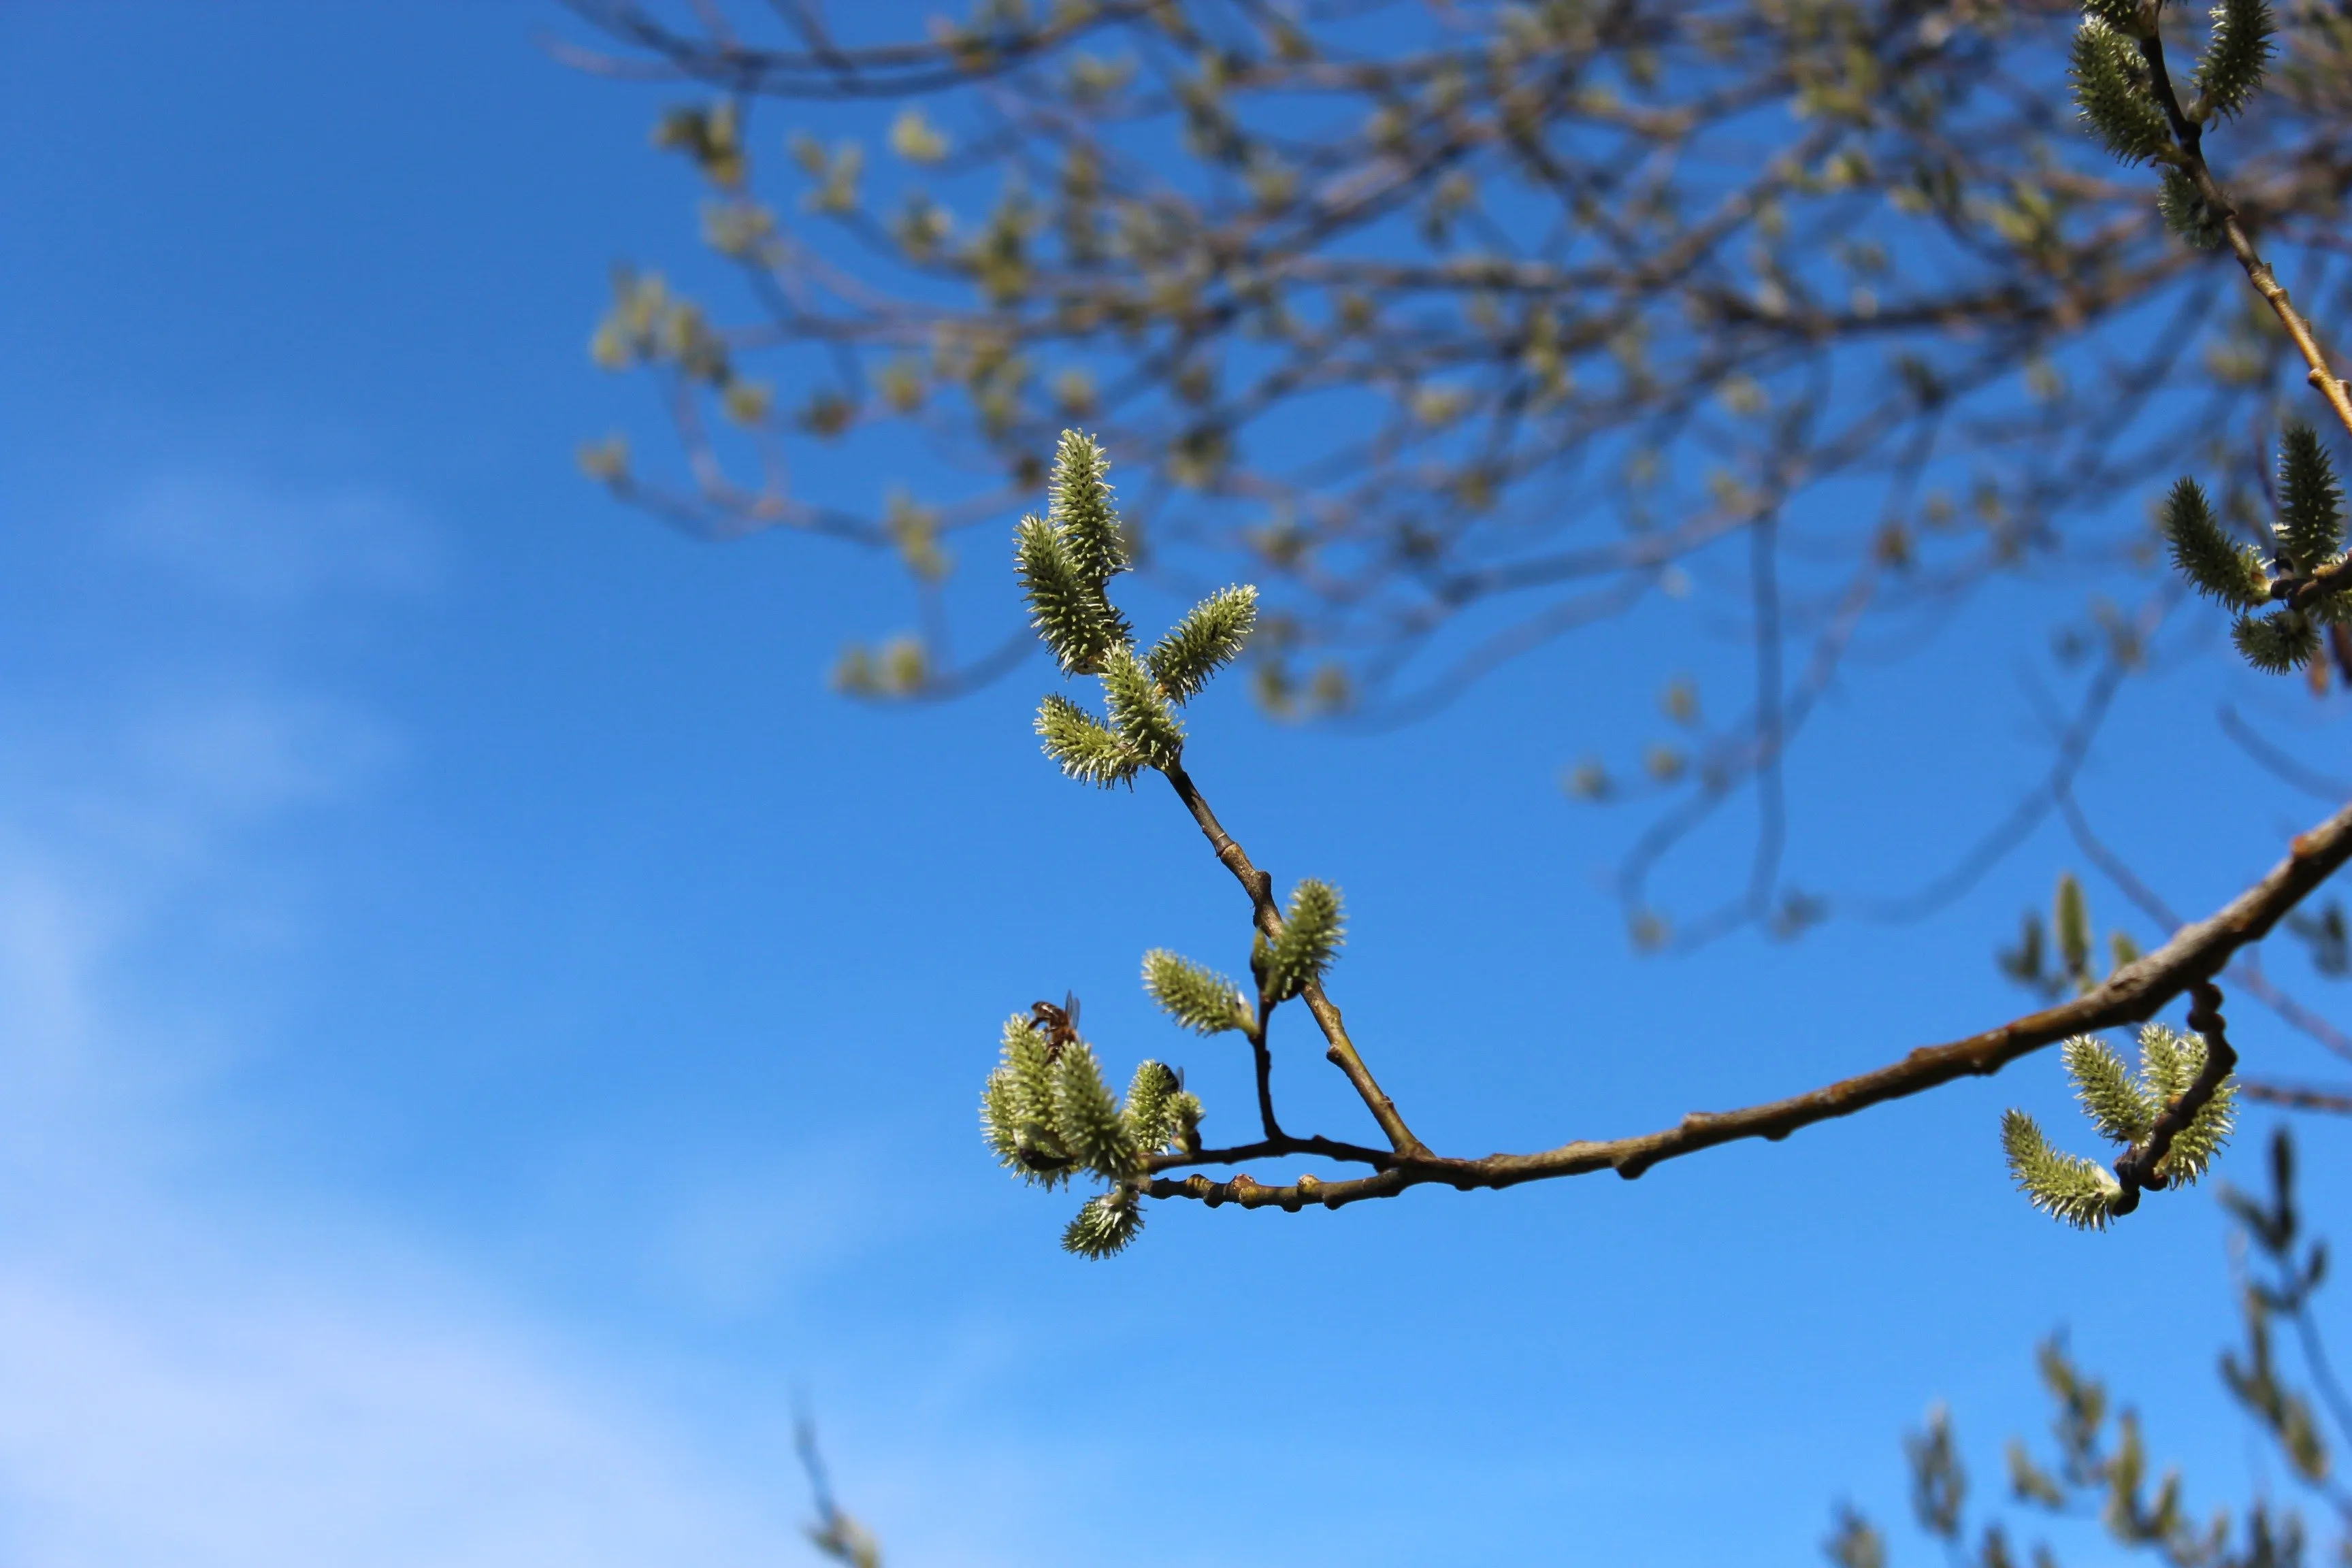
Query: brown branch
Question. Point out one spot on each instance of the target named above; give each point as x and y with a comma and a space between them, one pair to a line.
1275, 1147
2189, 132
2299, 589
2246, 974
1260, 887
2136, 1169
2129, 995
1263, 1059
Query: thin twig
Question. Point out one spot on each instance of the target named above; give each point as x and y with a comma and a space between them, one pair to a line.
2277, 762
2190, 133
1268, 919
2138, 1169
2296, 1096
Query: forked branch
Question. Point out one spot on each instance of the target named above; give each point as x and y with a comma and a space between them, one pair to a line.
1050, 1115
1340, 1050
2130, 996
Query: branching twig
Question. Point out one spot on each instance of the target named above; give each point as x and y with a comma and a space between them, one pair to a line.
2189, 132
2296, 1096
1268, 920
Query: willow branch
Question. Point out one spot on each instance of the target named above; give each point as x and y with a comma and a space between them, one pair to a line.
2189, 132
1263, 1059
1341, 1050
1275, 1147
2136, 1169
2130, 996
2247, 973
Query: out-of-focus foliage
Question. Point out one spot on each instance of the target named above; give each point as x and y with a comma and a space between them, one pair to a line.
2029, 962
1459, 326
2096, 1466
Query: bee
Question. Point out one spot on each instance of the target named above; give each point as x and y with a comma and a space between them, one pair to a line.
1041, 1162
1060, 1023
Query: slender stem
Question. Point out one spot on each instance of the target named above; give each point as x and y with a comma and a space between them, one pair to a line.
1265, 1063
2129, 995
2296, 1096
1271, 1147
2191, 136
1260, 887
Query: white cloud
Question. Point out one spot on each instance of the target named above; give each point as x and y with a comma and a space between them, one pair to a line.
196, 1368
244, 754
278, 548
203, 1404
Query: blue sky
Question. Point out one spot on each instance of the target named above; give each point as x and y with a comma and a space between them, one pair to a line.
483, 1031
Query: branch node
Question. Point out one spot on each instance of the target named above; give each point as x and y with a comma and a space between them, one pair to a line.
2137, 1167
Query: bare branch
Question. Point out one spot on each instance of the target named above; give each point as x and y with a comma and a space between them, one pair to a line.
2130, 996
2190, 133
1259, 886
2296, 1096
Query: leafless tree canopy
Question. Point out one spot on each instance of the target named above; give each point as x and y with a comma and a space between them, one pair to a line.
1460, 326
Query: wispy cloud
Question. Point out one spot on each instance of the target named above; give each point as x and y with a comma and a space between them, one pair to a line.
194, 1388
196, 1368
278, 546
